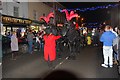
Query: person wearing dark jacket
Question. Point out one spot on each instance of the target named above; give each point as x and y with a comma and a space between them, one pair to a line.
30, 37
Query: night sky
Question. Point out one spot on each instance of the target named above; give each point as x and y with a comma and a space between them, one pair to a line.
84, 4
99, 15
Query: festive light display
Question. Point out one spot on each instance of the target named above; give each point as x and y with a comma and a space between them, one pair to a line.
47, 18
92, 8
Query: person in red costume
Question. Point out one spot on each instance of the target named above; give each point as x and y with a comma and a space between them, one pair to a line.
50, 46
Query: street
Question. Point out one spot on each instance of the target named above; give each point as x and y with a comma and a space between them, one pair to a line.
87, 65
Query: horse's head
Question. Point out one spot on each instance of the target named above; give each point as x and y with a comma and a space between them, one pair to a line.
65, 29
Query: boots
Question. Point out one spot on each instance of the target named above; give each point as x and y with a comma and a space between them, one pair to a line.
13, 56
50, 64
72, 57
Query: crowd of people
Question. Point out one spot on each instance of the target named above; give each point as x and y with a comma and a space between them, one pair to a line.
48, 42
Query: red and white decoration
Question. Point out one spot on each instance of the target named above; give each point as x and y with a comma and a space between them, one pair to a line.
71, 15
47, 18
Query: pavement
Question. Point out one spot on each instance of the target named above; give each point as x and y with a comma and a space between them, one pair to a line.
87, 65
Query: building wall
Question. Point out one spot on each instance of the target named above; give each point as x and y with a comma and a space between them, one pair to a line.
40, 9
115, 16
45, 8
8, 8
60, 17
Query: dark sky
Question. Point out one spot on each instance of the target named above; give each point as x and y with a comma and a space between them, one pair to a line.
84, 4
99, 15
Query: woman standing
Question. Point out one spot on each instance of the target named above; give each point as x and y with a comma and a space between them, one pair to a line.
14, 45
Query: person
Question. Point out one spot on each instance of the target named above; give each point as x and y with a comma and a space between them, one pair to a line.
107, 38
14, 45
41, 33
0, 49
50, 46
89, 41
116, 47
30, 37
111, 29
95, 38
114, 52
38, 42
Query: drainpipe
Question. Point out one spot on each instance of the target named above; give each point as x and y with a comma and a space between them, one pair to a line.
54, 20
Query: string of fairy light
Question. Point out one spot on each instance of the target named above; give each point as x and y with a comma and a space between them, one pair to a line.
92, 8
94, 24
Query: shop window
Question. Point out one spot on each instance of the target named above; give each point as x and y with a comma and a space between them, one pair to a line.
16, 11
15, 28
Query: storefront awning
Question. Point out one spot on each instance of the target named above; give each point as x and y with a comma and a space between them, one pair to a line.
37, 23
15, 21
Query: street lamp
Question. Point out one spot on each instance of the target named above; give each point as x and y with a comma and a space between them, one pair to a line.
82, 21
77, 18
77, 26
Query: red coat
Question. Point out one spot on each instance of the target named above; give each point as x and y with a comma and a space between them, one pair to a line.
50, 47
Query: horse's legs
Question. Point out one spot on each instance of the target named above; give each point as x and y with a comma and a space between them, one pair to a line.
69, 46
72, 50
77, 46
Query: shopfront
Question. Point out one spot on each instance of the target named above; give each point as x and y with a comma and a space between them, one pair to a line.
10, 23
36, 25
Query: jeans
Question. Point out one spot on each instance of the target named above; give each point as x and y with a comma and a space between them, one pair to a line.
41, 46
108, 55
115, 55
30, 44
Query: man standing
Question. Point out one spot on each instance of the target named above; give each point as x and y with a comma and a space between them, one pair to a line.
107, 39
30, 37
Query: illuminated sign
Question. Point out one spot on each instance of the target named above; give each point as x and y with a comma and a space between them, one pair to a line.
15, 20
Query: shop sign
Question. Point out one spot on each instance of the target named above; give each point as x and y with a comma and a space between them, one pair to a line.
15, 20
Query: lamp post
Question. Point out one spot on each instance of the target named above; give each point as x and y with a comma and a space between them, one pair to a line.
54, 11
82, 21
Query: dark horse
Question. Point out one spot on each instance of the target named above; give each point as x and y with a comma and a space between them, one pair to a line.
73, 37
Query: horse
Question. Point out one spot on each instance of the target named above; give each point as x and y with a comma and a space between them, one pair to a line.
70, 36
73, 37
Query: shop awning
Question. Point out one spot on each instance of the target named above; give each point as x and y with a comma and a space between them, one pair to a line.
37, 23
15, 21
